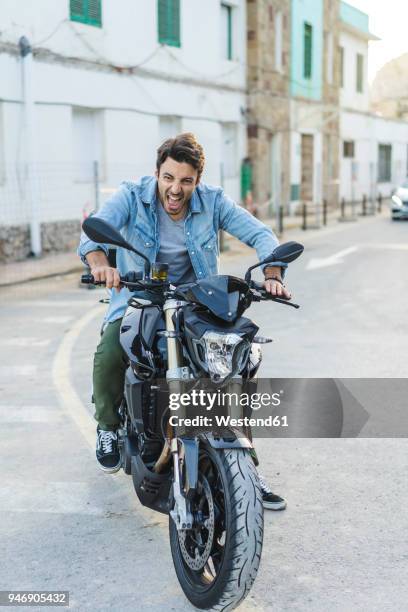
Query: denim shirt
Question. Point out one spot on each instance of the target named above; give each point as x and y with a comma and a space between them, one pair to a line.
132, 209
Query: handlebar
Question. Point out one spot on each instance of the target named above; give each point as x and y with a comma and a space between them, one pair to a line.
136, 280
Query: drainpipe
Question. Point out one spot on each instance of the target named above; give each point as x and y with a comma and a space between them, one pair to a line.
32, 195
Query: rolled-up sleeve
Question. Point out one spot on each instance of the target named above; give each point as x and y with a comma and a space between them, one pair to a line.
115, 211
240, 223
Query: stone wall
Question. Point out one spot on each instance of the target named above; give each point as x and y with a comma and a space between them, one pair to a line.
56, 237
268, 95
331, 101
14, 242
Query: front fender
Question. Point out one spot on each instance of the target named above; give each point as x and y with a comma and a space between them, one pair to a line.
191, 448
230, 442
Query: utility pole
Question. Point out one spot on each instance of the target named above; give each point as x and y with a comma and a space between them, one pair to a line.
96, 183
221, 233
31, 190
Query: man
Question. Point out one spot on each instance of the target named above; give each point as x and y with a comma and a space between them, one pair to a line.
171, 217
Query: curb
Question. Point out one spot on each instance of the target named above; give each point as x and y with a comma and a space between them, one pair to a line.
41, 276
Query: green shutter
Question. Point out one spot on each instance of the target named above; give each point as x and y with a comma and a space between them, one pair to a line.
95, 12
77, 10
246, 179
359, 74
229, 32
86, 11
294, 193
168, 16
384, 163
308, 49
341, 66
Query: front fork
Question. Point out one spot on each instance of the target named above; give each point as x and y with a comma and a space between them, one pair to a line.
176, 374
180, 513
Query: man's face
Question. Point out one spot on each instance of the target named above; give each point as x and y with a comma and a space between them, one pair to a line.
176, 182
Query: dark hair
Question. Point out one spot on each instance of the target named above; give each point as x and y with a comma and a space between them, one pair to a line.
182, 148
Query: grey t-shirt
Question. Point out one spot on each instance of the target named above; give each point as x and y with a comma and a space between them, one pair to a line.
173, 249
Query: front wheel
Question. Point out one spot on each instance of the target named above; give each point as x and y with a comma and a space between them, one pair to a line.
216, 562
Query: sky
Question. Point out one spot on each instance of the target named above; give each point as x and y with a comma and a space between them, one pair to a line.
388, 19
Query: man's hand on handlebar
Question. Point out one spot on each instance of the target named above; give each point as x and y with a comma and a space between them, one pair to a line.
277, 289
106, 274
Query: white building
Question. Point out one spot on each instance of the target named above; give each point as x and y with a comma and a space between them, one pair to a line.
107, 85
373, 149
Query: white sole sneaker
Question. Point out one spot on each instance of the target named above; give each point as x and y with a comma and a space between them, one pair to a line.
274, 505
111, 470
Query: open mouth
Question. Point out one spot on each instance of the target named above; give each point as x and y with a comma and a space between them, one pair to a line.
174, 201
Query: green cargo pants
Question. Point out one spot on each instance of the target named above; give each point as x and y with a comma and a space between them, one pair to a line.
109, 377
110, 364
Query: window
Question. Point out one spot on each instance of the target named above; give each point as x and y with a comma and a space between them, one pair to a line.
2, 163
278, 41
406, 169
341, 50
87, 141
359, 72
348, 148
384, 163
229, 148
169, 127
86, 11
226, 31
169, 22
307, 50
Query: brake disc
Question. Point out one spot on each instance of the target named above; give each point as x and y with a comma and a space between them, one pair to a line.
188, 537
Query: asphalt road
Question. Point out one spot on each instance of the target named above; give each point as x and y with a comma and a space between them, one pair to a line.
342, 542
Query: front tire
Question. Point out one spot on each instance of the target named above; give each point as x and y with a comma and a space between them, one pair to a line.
229, 500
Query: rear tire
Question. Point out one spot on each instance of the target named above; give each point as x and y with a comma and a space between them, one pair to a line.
231, 569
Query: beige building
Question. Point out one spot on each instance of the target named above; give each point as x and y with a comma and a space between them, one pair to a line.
293, 102
389, 91
331, 95
268, 57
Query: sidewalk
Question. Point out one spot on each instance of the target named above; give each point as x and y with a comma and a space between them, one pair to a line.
52, 264
55, 264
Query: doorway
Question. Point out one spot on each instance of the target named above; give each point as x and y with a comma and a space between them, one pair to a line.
306, 185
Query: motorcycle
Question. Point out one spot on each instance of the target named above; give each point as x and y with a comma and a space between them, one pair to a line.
204, 479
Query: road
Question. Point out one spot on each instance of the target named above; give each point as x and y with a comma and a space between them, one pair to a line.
342, 542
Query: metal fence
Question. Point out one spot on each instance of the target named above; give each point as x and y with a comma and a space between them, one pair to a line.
315, 216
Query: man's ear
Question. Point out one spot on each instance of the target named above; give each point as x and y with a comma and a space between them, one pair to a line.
156, 174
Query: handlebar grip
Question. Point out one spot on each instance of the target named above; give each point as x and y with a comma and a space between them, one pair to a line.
132, 277
87, 279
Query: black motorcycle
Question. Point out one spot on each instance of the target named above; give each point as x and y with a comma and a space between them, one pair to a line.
204, 478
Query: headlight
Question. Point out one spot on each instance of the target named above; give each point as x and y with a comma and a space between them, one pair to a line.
221, 355
397, 200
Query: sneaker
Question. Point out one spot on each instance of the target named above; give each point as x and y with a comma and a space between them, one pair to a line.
270, 500
107, 450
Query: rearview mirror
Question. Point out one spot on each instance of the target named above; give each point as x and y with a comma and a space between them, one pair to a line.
287, 252
101, 231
